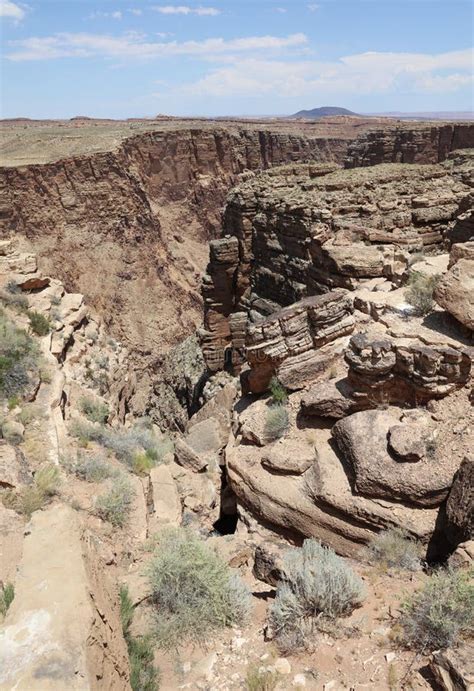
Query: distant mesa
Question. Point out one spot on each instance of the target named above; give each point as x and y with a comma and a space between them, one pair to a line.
323, 112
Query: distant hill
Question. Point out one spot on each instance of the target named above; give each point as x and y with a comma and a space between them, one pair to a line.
323, 112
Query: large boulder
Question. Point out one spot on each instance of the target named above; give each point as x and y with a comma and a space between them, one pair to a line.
363, 440
319, 503
455, 292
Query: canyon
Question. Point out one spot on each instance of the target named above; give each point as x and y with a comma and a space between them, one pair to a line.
281, 314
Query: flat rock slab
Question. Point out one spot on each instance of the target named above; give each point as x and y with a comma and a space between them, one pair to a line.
166, 501
290, 456
62, 630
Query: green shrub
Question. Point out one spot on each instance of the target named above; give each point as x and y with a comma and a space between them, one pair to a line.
47, 480
395, 549
194, 590
317, 585
19, 357
419, 293
39, 323
260, 679
12, 432
33, 497
144, 676
95, 411
90, 468
115, 505
7, 595
441, 612
277, 422
142, 464
278, 392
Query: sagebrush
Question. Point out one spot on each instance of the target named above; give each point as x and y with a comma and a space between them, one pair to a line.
395, 549
33, 497
441, 612
115, 505
194, 591
261, 679
19, 357
91, 468
95, 411
125, 443
277, 422
317, 585
419, 293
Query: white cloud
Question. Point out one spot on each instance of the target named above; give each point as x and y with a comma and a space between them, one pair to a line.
365, 73
312, 7
106, 15
184, 9
133, 45
281, 10
136, 12
11, 10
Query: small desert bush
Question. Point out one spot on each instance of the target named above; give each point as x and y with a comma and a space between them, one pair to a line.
90, 468
115, 505
14, 298
261, 679
143, 675
278, 392
19, 357
194, 590
39, 324
33, 497
7, 595
11, 433
317, 585
419, 293
394, 548
277, 422
441, 612
95, 411
126, 444
29, 413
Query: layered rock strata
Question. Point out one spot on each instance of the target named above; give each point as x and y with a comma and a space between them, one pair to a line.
299, 231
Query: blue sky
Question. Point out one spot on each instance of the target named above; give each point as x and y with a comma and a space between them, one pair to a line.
125, 58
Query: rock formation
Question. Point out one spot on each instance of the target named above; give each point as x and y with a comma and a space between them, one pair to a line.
298, 231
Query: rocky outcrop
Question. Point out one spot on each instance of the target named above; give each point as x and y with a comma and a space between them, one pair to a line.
319, 503
455, 290
366, 442
403, 371
63, 628
460, 504
298, 231
420, 144
453, 668
294, 343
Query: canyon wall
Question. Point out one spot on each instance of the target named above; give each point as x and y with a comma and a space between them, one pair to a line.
129, 228
409, 145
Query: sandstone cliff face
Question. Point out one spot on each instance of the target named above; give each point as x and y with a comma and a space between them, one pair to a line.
302, 230
128, 228
421, 144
